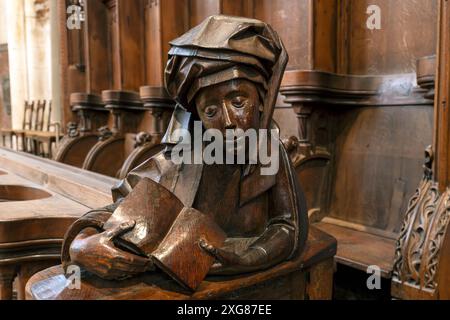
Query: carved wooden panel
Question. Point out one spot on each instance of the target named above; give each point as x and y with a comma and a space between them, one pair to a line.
375, 161
422, 252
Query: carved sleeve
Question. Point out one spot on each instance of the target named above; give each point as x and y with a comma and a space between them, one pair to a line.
93, 219
287, 229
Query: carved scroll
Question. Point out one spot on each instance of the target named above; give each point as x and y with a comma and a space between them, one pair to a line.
420, 241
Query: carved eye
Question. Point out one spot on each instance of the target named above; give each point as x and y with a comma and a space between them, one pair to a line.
238, 102
210, 111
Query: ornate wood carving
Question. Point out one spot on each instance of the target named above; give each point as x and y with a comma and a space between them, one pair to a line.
422, 248
419, 246
224, 226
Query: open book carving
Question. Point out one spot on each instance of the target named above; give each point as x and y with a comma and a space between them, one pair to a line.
167, 232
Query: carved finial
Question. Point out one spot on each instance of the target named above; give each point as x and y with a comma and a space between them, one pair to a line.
105, 133
141, 139
72, 130
291, 143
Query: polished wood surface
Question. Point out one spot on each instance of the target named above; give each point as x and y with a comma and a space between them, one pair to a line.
116, 142
39, 200
286, 281
357, 111
360, 249
421, 255
82, 136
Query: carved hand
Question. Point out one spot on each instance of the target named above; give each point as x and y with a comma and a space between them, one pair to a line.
240, 255
97, 253
229, 262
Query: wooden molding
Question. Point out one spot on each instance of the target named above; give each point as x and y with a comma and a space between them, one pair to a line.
315, 87
426, 75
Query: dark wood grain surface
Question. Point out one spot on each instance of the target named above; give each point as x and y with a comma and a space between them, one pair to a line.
50, 284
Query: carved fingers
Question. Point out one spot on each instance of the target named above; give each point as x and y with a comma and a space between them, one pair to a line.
118, 264
98, 254
118, 230
228, 262
223, 256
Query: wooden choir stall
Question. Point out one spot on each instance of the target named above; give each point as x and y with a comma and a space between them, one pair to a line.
360, 110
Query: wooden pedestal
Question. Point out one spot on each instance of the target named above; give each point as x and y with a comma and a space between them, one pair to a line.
308, 277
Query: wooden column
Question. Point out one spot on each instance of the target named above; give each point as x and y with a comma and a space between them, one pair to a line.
164, 21
73, 61
98, 47
7, 274
442, 115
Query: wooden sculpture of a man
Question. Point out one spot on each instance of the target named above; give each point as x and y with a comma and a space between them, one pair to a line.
226, 73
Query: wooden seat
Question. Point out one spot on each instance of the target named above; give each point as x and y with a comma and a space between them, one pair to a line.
360, 249
7, 135
306, 277
117, 140
18, 134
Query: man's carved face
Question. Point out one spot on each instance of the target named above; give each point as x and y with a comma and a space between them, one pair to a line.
233, 104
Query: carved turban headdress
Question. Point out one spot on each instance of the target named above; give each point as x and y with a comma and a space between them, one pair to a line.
223, 48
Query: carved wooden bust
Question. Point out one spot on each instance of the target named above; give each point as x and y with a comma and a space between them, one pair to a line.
189, 219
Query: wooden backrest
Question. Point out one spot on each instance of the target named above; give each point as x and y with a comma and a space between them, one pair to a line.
28, 115
38, 123
49, 115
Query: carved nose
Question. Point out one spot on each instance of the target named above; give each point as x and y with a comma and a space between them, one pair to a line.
228, 123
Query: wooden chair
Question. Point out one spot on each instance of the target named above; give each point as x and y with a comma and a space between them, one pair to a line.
22, 143
36, 126
6, 135
41, 137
